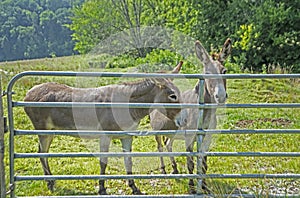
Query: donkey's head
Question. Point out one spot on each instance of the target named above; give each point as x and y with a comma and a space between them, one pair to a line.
215, 88
168, 93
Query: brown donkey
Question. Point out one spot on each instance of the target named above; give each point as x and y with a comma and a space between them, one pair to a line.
159, 90
214, 92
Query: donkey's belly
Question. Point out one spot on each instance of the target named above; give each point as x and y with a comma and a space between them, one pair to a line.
89, 120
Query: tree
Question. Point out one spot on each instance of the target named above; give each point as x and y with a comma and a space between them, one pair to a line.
271, 37
92, 23
265, 33
35, 29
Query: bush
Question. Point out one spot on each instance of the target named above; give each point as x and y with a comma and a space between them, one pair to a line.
271, 38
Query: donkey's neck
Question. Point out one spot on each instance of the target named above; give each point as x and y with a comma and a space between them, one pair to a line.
207, 96
142, 92
139, 88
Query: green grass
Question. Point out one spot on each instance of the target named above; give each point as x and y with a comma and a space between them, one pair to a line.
240, 91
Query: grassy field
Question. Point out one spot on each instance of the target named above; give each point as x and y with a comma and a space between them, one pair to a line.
239, 91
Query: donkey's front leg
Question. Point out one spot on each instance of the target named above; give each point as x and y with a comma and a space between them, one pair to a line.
189, 143
127, 147
104, 147
160, 149
169, 145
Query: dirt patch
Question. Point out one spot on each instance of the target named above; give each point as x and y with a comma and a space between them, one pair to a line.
275, 122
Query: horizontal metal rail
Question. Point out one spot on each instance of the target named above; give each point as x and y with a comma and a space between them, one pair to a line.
152, 105
160, 154
154, 176
108, 154
147, 75
151, 133
154, 75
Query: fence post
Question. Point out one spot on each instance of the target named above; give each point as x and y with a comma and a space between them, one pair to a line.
199, 137
2, 146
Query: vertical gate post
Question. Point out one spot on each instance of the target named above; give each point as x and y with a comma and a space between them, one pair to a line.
199, 137
2, 146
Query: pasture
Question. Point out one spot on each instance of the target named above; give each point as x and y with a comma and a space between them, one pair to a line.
239, 91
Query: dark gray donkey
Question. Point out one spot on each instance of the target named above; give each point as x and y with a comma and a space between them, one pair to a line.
159, 90
214, 92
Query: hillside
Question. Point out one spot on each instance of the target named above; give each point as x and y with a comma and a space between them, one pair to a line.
33, 29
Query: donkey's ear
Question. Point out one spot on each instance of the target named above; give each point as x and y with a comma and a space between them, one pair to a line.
226, 50
202, 53
177, 69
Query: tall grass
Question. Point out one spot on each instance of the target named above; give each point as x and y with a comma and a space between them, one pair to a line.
240, 91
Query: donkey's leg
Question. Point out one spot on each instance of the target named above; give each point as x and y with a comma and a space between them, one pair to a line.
189, 143
204, 169
169, 145
104, 147
127, 147
44, 145
160, 149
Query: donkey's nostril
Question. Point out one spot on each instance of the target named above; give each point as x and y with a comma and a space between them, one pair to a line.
173, 97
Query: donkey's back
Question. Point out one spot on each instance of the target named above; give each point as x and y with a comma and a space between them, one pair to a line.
75, 117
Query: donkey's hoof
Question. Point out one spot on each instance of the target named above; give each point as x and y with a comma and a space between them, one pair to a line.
192, 191
102, 192
206, 190
175, 171
163, 171
50, 185
137, 192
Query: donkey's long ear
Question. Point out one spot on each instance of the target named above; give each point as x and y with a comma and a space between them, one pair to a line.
177, 69
202, 54
226, 50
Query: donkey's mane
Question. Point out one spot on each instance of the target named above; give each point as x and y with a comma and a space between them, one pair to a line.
137, 82
140, 87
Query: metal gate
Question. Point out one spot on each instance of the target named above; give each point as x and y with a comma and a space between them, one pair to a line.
14, 179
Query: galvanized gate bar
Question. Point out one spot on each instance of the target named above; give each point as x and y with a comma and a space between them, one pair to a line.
151, 133
153, 105
153, 75
107, 154
199, 137
156, 176
159, 154
2, 147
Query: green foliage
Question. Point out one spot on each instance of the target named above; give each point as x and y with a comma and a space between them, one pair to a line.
177, 15
96, 20
265, 33
271, 37
91, 24
158, 60
33, 29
